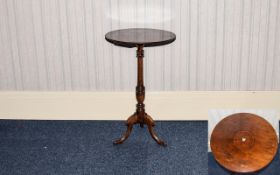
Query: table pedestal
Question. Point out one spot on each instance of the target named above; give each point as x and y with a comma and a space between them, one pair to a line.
140, 116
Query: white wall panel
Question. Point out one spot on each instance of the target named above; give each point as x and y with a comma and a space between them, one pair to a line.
51, 45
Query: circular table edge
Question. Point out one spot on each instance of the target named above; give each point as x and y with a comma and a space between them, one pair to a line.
147, 44
257, 170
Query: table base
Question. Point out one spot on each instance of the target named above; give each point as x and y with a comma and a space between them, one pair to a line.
140, 116
134, 119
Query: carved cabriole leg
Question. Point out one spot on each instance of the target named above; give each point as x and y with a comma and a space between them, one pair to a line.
129, 123
150, 123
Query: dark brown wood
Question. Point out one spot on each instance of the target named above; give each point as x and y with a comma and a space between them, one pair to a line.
140, 116
140, 36
244, 143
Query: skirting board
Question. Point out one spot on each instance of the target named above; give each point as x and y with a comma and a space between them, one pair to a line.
177, 105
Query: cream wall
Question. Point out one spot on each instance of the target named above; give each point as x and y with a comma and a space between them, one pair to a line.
119, 105
51, 45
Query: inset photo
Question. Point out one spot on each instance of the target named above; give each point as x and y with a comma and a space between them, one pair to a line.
243, 142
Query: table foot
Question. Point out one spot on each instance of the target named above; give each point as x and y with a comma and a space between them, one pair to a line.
129, 123
150, 122
134, 119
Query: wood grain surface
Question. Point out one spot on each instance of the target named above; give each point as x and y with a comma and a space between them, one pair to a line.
244, 143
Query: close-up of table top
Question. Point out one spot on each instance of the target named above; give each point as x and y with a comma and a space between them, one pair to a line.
244, 143
140, 36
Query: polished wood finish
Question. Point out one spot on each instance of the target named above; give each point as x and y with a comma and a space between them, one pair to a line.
140, 38
244, 143
140, 116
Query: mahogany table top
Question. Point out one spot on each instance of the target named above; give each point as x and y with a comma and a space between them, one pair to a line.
140, 36
244, 143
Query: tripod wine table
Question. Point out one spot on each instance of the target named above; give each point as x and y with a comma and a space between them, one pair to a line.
140, 38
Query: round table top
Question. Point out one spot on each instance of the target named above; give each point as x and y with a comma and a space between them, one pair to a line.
140, 36
244, 143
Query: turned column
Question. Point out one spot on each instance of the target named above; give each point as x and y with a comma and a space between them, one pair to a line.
140, 88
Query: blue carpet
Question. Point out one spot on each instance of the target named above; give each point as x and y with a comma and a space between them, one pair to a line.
85, 147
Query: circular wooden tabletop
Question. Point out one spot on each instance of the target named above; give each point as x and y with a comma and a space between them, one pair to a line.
244, 143
140, 36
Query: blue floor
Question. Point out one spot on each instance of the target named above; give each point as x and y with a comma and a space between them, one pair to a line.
85, 147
